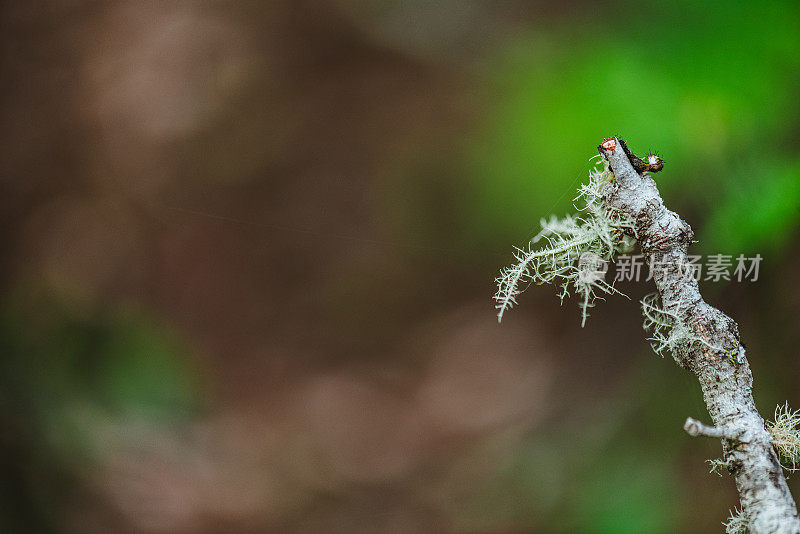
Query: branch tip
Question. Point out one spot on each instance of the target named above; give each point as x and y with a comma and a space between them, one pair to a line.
695, 428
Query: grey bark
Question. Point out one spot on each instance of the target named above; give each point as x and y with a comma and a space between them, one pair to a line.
716, 355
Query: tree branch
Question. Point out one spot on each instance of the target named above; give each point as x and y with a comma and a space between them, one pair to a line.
693, 427
713, 353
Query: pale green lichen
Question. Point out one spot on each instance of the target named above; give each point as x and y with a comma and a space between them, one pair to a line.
785, 430
668, 332
575, 252
737, 523
717, 466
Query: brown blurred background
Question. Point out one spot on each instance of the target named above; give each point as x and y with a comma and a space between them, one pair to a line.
249, 249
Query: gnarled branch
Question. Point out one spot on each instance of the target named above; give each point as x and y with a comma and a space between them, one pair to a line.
714, 353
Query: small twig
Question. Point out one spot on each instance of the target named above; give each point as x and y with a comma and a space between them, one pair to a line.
693, 427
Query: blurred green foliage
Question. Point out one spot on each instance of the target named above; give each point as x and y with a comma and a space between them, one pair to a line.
761, 209
65, 377
626, 492
68, 368
711, 86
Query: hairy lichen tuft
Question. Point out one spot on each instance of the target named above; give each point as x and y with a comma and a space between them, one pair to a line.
717, 466
786, 436
737, 523
668, 331
575, 251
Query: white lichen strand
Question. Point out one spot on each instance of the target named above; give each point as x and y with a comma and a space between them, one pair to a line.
661, 325
668, 330
717, 466
737, 522
570, 252
785, 430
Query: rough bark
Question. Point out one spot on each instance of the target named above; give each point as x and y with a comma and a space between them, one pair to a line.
716, 355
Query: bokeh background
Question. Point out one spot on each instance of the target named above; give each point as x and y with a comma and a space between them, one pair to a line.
248, 251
